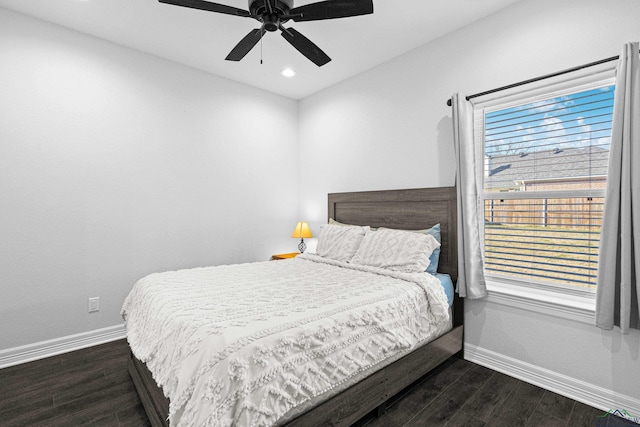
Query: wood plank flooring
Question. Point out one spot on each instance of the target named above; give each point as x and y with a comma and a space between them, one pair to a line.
465, 394
91, 387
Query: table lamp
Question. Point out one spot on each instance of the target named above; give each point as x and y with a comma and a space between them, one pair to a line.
301, 231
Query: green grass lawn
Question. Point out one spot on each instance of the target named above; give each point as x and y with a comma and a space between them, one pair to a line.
567, 255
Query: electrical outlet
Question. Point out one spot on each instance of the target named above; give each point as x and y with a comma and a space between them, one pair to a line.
94, 304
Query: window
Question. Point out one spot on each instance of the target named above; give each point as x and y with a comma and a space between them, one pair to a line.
543, 183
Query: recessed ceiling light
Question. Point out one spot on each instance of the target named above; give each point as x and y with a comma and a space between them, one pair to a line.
288, 72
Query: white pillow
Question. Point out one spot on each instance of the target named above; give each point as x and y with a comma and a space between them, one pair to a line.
396, 250
340, 242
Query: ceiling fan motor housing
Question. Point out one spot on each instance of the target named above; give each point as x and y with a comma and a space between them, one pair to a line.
271, 16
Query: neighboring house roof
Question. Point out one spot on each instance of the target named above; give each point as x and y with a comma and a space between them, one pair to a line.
567, 163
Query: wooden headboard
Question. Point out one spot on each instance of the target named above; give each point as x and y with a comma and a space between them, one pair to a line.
412, 209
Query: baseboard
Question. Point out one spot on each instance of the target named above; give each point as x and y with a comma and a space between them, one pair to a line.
575, 389
41, 350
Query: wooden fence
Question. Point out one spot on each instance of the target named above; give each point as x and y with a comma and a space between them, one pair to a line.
561, 212
566, 212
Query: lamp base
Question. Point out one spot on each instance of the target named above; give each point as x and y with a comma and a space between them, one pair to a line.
302, 246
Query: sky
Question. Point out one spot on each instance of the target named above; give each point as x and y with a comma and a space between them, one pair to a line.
575, 120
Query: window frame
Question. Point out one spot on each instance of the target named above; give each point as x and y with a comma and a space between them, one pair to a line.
554, 298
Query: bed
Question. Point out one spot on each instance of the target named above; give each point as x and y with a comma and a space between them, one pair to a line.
410, 209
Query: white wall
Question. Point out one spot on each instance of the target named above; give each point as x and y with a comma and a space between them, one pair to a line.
390, 128
115, 164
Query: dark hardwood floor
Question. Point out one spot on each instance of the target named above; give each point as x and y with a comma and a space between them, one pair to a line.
91, 387
465, 394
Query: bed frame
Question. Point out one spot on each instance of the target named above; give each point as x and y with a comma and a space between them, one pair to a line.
405, 209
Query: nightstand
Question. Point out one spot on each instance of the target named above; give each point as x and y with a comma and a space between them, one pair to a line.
284, 256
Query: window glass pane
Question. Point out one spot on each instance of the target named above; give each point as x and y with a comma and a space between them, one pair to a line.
552, 144
551, 240
531, 151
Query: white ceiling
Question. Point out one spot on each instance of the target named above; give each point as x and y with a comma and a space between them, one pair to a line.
203, 39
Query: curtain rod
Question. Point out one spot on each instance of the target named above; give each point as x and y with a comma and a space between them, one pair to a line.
535, 79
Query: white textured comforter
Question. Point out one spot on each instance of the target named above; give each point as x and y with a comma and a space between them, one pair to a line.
250, 344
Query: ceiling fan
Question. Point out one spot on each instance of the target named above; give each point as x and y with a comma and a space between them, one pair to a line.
274, 13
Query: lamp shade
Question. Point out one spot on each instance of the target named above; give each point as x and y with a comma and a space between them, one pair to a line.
301, 231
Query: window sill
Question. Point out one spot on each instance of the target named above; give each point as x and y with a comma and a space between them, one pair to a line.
579, 308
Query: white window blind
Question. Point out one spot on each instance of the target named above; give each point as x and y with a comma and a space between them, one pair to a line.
545, 169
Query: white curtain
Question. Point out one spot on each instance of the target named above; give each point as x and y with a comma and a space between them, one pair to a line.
471, 283
618, 290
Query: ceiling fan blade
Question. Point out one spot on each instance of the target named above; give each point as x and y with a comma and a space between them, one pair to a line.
331, 9
245, 45
305, 46
208, 6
